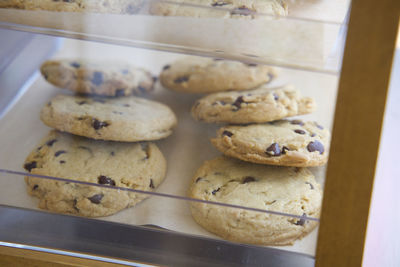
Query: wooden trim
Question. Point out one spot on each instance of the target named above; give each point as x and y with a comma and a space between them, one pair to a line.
29, 258
356, 133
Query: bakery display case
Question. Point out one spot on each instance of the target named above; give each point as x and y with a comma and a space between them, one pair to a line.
187, 133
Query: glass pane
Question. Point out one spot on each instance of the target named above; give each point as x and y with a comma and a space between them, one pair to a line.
210, 127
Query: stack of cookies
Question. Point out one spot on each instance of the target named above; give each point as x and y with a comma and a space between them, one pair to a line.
101, 138
265, 155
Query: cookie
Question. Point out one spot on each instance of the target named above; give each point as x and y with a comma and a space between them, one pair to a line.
98, 78
207, 75
249, 9
259, 105
285, 143
289, 190
139, 166
128, 119
95, 6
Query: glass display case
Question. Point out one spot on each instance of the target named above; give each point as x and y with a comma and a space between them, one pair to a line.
182, 133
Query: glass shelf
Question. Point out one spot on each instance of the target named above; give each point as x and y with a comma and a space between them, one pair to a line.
302, 40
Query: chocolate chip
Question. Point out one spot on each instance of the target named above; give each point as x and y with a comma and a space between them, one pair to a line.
311, 185
125, 71
219, 3
51, 142
276, 97
270, 76
97, 78
75, 207
96, 199
248, 179
297, 122
298, 131
220, 102
112, 153
241, 11
30, 165
75, 65
252, 65
285, 149
215, 191
312, 134
35, 187
238, 102
39, 148
62, 161
145, 148
318, 126
120, 92
105, 180
199, 179
315, 146
82, 102
302, 221
166, 67
96, 124
59, 152
181, 79
227, 133
269, 202
151, 184
273, 150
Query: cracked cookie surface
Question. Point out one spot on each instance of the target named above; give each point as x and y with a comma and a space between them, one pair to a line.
245, 9
254, 106
207, 75
128, 119
90, 6
98, 78
284, 142
139, 166
290, 190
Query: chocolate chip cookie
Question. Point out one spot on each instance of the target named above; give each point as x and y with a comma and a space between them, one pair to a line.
139, 166
248, 9
207, 75
98, 78
285, 143
289, 190
254, 106
128, 119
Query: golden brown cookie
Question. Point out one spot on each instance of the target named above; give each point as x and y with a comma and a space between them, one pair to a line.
139, 166
284, 143
287, 190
